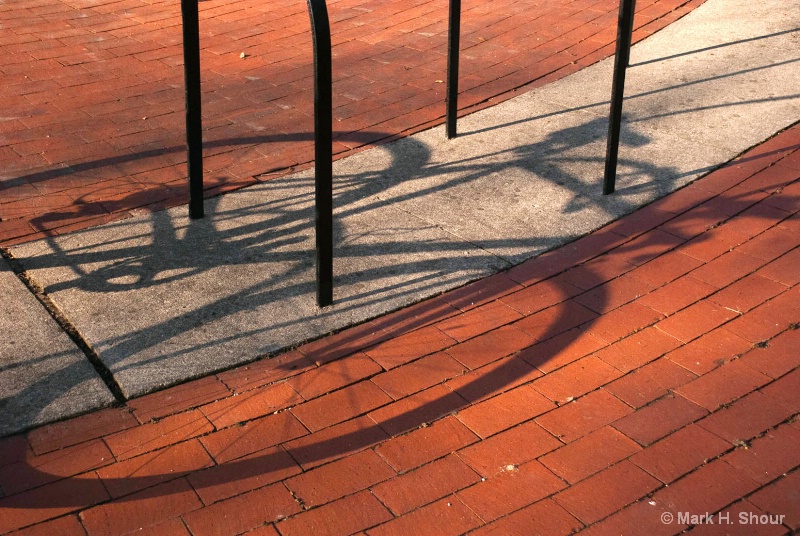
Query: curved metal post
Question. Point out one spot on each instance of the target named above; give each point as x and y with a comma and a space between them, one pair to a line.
453, 44
194, 126
323, 149
624, 31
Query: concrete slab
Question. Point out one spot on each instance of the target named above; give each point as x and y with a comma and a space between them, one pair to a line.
163, 299
726, 76
44, 376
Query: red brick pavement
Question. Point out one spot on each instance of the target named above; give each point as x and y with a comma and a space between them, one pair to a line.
92, 117
577, 409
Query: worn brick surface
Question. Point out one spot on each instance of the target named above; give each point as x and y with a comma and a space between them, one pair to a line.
590, 454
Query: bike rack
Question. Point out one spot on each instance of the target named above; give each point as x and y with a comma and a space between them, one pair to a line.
323, 133
323, 117
621, 62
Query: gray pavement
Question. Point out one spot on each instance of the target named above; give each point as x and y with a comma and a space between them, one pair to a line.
162, 299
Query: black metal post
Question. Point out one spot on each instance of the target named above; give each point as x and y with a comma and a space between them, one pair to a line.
453, 44
633, 18
194, 126
323, 149
624, 31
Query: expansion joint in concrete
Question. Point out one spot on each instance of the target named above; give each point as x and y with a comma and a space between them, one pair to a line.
64, 323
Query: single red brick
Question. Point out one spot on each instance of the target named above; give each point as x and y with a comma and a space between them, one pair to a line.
784, 269
50, 501
679, 453
334, 375
649, 245
345, 516
727, 268
638, 349
544, 518
747, 417
251, 405
785, 389
576, 379
708, 489
677, 295
613, 294
238, 441
658, 419
504, 411
562, 349
265, 371
541, 296
142, 509
624, 321
510, 490
555, 320
747, 293
415, 316
765, 321
418, 375
177, 399
423, 407
778, 357
243, 512
426, 484
588, 413
171, 527
408, 347
479, 320
666, 268
768, 456
448, 516
243, 474
652, 381
708, 352
494, 378
696, 320
723, 385
152, 436
341, 405
335, 442
515, 446
425, 444
63, 526
73, 431
606, 492
337, 479
152, 468
481, 292
742, 518
491, 346
770, 244
14, 449
596, 271
781, 498
641, 517
36, 471
589, 454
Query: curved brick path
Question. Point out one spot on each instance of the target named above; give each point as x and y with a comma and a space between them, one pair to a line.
92, 92
654, 371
